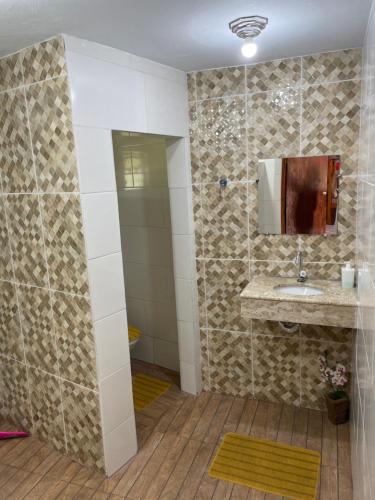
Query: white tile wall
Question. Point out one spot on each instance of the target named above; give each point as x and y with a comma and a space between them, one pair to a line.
190, 378
95, 159
144, 349
144, 207
101, 224
363, 392
178, 157
106, 95
183, 254
162, 112
107, 286
116, 398
166, 354
113, 90
185, 300
181, 210
120, 445
112, 345
141, 166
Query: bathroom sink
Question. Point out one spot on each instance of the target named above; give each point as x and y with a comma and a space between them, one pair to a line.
298, 290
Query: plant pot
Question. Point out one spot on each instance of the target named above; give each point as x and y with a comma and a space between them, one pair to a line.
338, 409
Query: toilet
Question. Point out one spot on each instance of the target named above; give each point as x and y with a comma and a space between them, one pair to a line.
134, 336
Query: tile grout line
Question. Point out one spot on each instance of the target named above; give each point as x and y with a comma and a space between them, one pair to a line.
25, 86
54, 290
27, 364
300, 87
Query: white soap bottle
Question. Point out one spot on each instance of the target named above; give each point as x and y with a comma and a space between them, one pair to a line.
347, 276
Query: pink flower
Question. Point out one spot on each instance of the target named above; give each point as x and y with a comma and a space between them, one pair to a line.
334, 377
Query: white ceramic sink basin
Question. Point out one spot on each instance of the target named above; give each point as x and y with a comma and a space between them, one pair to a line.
298, 290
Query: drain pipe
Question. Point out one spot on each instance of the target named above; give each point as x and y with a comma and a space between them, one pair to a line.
288, 327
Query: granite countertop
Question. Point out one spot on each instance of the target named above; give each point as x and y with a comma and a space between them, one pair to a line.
333, 293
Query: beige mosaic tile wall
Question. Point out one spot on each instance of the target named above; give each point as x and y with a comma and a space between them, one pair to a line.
237, 116
47, 353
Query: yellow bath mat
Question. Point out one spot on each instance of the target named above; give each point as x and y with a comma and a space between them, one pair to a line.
146, 389
267, 466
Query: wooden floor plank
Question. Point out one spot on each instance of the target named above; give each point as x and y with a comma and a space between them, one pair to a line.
150, 471
329, 443
69, 492
215, 429
8, 445
84, 494
180, 419
109, 483
138, 463
99, 495
48, 463
198, 468
204, 422
6, 473
38, 458
343, 447
345, 484
285, 430
314, 430
200, 405
247, 417
254, 419
95, 480
274, 411
19, 485
64, 469
329, 486
82, 476
207, 485
299, 436
223, 490
256, 495
234, 416
180, 471
156, 487
26, 447
46, 489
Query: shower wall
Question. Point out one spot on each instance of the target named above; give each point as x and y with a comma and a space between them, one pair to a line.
48, 379
299, 106
146, 238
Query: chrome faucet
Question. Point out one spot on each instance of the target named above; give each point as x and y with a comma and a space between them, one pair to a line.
302, 275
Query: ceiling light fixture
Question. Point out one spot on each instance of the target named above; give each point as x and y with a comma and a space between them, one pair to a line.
248, 28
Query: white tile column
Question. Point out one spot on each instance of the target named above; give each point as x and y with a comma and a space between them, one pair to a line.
180, 195
107, 291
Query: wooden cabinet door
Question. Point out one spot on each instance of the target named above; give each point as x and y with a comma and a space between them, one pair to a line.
306, 195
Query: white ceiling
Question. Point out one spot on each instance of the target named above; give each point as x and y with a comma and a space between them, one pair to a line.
187, 34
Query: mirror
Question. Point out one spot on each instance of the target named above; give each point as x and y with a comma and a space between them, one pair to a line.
298, 195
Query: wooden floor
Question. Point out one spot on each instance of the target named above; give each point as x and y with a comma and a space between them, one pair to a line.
178, 435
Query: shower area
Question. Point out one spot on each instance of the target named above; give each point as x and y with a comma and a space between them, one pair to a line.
146, 242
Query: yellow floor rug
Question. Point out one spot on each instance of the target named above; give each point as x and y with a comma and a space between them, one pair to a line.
267, 466
147, 389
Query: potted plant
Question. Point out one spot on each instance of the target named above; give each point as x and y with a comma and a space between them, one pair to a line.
338, 404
